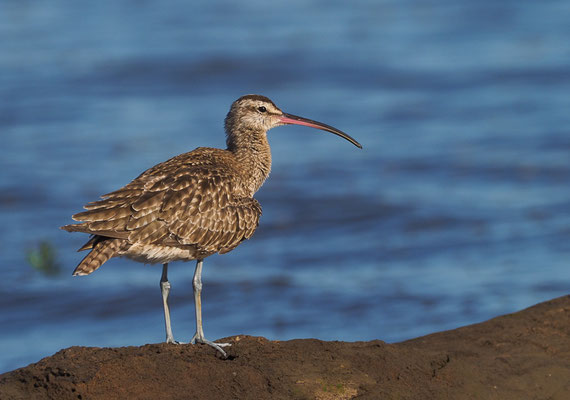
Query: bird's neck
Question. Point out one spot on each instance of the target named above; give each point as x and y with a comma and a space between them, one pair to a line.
253, 154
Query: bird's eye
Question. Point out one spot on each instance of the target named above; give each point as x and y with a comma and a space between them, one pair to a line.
262, 109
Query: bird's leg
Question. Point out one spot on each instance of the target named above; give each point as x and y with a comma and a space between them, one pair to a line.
165, 290
199, 335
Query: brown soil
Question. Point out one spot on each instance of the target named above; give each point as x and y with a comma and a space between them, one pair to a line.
525, 355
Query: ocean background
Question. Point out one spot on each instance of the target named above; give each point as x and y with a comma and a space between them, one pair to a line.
457, 210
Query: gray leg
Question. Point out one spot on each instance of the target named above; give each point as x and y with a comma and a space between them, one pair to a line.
199, 335
165, 290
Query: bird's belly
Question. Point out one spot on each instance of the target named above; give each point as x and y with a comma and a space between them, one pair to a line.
156, 254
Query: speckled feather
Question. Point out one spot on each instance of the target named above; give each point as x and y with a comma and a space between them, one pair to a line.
189, 207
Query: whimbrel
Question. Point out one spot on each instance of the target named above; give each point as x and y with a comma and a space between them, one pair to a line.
191, 206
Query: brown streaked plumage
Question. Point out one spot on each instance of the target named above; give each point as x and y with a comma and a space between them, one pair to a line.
191, 206
187, 208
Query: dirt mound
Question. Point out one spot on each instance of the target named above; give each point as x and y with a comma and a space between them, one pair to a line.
525, 355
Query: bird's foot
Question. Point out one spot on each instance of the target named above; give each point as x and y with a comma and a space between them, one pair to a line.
218, 346
172, 341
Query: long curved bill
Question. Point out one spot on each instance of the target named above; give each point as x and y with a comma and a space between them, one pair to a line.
296, 120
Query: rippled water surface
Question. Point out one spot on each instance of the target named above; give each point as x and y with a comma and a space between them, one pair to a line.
456, 210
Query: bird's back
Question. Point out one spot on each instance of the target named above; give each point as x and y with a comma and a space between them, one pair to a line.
191, 206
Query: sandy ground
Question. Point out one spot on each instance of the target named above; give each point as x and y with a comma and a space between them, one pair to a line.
525, 355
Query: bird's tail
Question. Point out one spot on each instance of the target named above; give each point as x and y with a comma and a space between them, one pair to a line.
101, 252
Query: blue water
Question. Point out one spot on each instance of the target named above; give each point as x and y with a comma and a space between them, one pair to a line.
456, 210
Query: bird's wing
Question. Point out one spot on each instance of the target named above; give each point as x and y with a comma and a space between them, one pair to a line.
176, 204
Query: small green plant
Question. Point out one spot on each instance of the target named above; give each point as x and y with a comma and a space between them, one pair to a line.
43, 258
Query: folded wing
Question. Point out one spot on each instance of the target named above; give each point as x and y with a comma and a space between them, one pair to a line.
175, 204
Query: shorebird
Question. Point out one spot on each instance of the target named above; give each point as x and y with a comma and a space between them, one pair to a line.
191, 206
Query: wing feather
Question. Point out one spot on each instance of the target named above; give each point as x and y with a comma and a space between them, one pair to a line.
192, 199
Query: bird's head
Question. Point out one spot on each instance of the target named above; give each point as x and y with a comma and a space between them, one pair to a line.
255, 113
